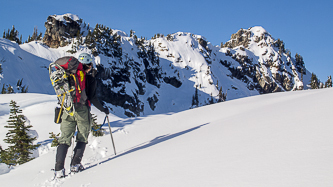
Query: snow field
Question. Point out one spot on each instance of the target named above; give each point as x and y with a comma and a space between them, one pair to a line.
281, 139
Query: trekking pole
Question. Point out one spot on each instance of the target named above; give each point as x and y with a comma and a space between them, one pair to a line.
114, 148
72, 140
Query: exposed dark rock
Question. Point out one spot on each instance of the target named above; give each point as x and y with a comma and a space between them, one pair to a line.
173, 81
152, 101
202, 42
58, 31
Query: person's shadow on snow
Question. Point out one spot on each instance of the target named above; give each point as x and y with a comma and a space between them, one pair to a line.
150, 143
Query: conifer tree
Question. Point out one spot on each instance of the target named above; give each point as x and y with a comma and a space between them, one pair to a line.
131, 33
328, 83
221, 95
34, 34
55, 138
20, 88
10, 89
1, 150
29, 39
4, 157
299, 63
314, 84
195, 98
78, 39
1, 61
3, 91
13, 35
20, 144
211, 101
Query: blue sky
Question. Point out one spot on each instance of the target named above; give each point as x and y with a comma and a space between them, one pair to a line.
304, 26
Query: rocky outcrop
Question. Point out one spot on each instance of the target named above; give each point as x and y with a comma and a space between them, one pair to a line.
241, 38
59, 29
273, 71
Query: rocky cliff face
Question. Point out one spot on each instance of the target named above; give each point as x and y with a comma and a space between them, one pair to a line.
61, 28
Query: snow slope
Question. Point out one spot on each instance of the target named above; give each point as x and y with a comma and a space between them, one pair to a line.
288, 143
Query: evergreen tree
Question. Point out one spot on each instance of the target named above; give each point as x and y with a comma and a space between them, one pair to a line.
299, 63
97, 130
328, 83
89, 41
13, 35
314, 82
3, 91
211, 101
55, 138
20, 88
20, 144
1, 150
1, 61
78, 39
34, 34
4, 157
169, 37
131, 33
195, 98
221, 95
40, 36
29, 39
10, 89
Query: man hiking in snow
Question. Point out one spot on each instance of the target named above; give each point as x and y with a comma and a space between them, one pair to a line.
85, 95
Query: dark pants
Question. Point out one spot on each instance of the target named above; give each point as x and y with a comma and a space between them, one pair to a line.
62, 152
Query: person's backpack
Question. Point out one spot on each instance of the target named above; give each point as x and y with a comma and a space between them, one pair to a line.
68, 80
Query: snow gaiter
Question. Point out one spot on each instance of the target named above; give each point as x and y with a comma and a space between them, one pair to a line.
60, 157
78, 153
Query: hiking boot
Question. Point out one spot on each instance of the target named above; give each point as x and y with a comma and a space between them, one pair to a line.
77, 168
59, 174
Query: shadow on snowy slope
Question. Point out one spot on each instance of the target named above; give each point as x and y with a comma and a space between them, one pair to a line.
150, 143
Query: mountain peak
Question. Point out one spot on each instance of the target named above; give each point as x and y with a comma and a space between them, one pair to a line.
243, 37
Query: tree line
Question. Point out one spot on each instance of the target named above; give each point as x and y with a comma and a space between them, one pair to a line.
13, 35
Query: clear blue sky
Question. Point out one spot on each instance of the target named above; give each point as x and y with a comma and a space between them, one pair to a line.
304, 26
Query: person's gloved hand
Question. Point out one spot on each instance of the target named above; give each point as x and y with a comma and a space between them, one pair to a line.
106, 110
